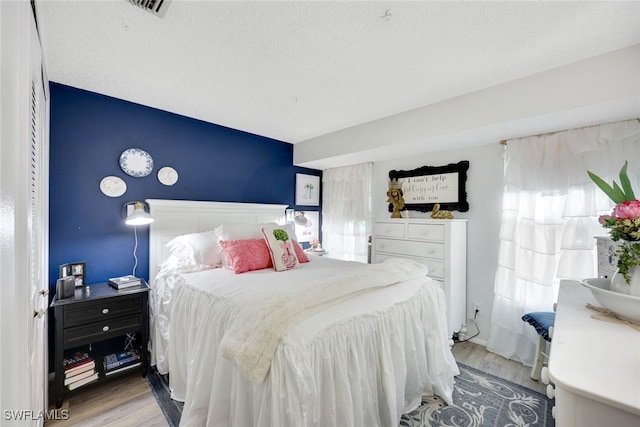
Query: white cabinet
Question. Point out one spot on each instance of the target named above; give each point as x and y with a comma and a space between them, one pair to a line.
441, 245
594, 365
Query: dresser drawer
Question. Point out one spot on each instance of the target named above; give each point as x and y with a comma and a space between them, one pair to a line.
411, 248
389, 229
436, 268
102, 310
101, 330
425, 231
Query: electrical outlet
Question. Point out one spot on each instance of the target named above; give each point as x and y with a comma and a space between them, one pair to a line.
476, 307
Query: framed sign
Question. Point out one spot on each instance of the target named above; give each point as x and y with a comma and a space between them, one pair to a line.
422, 188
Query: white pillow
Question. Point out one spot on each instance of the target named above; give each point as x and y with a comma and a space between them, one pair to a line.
196, 251
242, 231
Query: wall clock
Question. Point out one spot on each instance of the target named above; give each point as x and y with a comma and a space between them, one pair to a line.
136, 162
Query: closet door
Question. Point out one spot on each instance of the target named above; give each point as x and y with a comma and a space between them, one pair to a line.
38, 224
24, 155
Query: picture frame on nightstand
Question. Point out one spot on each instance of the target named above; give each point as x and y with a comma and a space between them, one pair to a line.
75, 269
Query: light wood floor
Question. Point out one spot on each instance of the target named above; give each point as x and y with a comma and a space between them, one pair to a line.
478, 357
128, 400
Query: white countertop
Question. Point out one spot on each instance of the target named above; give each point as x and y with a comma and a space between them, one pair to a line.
593, 358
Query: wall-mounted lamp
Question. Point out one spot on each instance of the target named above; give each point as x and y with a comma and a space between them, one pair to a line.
136, 213
300, 219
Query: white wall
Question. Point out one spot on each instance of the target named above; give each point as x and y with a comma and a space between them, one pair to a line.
484, 194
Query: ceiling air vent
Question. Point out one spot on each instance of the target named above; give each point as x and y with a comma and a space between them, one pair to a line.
157, 7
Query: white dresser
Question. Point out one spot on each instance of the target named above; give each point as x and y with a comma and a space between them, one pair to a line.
439, 244
594, 365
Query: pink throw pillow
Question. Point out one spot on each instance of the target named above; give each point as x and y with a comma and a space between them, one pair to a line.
302, 256
246, 255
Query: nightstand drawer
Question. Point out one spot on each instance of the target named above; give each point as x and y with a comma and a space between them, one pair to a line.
411, 248
101, 330
102, 310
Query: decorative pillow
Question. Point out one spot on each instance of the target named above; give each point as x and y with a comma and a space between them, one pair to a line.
300, 254
246, 255
195, 251
281, 248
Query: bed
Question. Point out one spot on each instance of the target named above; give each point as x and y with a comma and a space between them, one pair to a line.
327, 343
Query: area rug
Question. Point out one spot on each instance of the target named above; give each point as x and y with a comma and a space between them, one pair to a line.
479, 400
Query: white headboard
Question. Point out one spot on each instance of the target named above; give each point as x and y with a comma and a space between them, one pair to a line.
176, 217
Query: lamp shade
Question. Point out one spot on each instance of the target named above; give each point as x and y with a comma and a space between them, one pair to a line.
139, 216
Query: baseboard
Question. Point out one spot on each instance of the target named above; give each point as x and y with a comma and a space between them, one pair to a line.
479, 341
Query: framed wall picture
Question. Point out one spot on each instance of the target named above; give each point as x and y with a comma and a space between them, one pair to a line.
77, 270
307, 190
423, 187
307, 225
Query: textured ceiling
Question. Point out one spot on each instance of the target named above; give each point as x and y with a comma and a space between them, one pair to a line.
297, 70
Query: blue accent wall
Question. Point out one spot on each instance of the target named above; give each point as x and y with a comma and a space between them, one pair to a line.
89, 131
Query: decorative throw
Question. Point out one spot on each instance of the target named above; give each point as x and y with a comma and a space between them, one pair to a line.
251, 341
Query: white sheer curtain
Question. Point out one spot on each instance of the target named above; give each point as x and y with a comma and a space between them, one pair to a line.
346, 211
549, 220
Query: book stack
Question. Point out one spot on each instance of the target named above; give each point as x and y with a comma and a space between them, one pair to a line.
124, 282
122, 361
79, 370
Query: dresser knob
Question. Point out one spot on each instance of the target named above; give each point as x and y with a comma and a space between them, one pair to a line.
550, 332
105, 311
551, 392
553, 412
544, 375
105, 328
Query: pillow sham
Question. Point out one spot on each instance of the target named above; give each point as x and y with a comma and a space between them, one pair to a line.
241, 231
195, 251
246, 254
281, 248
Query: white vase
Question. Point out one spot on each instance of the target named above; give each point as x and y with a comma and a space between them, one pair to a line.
618, 284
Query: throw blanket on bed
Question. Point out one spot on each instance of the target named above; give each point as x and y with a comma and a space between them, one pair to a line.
251, 341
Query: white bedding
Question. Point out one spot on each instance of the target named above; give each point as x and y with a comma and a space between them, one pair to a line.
363, 361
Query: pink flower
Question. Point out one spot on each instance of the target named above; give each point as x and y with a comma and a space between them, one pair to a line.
627, 210
606, 220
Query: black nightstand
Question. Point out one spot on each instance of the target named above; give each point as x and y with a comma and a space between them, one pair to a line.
96, 313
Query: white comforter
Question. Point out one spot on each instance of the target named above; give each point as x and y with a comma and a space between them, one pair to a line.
363, 361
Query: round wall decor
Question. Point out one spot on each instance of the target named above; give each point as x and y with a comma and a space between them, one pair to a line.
167, 175
136, 162
113, 186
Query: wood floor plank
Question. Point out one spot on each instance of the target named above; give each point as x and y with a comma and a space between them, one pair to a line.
478, 357
121, 402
